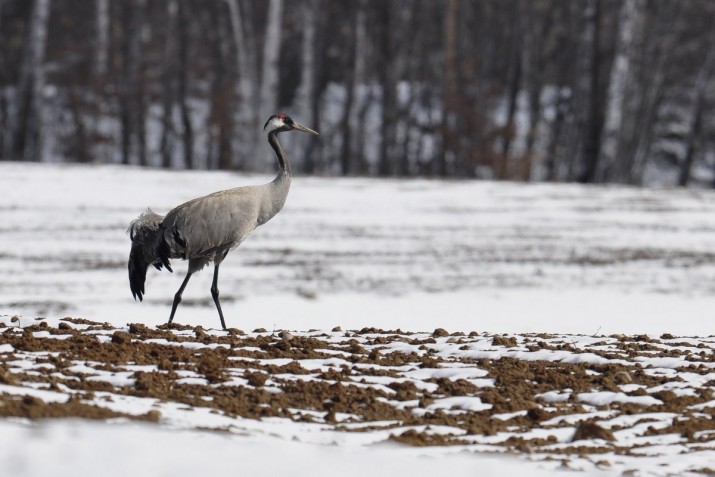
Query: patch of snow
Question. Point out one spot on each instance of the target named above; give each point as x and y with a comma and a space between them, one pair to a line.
604, 398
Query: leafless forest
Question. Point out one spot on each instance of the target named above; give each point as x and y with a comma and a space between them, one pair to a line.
594, 91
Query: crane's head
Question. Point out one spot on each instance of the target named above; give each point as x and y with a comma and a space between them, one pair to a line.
281, 122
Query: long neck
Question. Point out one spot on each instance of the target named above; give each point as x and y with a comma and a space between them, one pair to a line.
276, 191
280, 153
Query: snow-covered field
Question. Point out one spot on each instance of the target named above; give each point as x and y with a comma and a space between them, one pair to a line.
409, 254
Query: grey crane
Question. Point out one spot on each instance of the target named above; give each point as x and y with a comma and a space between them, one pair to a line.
207, 228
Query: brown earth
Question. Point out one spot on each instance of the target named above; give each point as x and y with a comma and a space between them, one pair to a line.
263, 374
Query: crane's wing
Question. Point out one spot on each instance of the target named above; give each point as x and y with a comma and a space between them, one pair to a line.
210, 224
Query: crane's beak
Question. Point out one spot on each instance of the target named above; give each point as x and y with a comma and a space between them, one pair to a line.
300, 127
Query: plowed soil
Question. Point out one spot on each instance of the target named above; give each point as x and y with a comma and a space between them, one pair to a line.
549, 396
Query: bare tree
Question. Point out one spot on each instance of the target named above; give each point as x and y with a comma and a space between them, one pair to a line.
131, 95
351, 91
449, 89
268, 91
537, 36
630, 16
101, 47
27, 140
183, 84
358, 105
696, 115
220, 149
514, 85
662, 45
596, 90
271, 52
246, 115
393, 18
305, 97
171, 72
590, 79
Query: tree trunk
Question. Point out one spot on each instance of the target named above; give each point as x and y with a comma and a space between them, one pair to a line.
350, 94
101, 48
183, 86
552, 163
268, 93
220, 120
608, 163
27, 140
388, 82
246, 116
534, 66
668, 18
132, 101
449, 88
305, 97
513, 87
406, 84
568, 90
79, 143
312, 151
170, 74
574, 85
696, 118
594, 121
355, 128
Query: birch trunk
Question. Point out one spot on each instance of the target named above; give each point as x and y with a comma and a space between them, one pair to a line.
246, 116
449, 88
27, 140
608, 163
388, 80
306, 91
271, 53
268, 92
356, 114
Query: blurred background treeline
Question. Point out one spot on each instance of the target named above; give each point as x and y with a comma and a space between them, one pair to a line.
594, 91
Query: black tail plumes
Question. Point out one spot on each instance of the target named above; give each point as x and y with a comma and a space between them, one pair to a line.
143, 233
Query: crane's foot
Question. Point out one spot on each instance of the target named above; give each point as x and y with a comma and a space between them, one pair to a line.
177, 300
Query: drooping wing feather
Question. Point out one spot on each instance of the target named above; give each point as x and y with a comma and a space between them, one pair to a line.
142, 232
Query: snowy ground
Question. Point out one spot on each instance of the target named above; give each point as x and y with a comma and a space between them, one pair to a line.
414, 255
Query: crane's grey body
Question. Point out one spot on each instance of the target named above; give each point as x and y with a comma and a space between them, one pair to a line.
205, 229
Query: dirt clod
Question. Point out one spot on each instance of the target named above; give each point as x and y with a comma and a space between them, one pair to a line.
507, 342
591, 430
440, 332
120, 337
256, 379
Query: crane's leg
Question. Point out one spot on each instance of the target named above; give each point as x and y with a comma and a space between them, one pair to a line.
177, 297
214, 294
